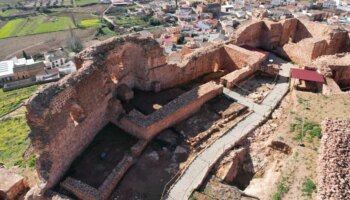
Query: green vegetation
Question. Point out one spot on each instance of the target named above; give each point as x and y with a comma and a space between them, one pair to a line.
35, 25
105, 31
8, 12
56, 24
11, 28
308, 187
305, 128
130, 21
84, 2
282, 189
14, 142
9, 101
90, 23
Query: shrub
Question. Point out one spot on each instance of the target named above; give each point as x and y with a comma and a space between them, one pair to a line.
282, 189
308, 187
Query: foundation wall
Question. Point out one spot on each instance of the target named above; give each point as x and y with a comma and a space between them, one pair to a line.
146, 127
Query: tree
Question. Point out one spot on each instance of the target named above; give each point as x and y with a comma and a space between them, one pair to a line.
73, 42
74, 21
25, 55
155, 22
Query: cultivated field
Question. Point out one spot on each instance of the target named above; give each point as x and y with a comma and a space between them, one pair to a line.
14, 142
33, 44
9, 101
45, 24
84, 2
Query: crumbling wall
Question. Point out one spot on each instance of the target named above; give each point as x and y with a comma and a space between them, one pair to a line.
146, 127
336, 67
251, 34
299, 40
334, 158
55, 133
242, 57
65, 116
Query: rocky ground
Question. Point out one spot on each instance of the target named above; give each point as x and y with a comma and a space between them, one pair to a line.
333, 165
282, 165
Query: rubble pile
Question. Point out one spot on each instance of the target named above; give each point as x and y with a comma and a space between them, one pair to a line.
333, 167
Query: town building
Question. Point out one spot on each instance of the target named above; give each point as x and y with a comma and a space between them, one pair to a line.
56, 58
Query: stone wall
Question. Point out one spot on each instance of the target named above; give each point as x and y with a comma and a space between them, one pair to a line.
336, 67
299, 40
146, 127
11, 185
334, 158
65, 116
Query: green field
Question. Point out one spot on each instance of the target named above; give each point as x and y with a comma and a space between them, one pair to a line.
11, 28
90, 23
9, 101
130, 21
46, 24
8, 12
84, 2
35, 25
13, 141
105, 32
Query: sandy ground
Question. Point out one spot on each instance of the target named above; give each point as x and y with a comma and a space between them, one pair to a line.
272, 165
39, 43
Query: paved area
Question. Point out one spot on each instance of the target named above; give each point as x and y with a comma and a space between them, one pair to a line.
193, 176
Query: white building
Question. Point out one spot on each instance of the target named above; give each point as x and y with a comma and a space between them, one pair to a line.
6, 71
56, 58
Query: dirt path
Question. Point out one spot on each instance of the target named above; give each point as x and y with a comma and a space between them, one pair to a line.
20, 51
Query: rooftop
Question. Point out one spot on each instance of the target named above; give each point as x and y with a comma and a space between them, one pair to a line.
307, 75
6, 68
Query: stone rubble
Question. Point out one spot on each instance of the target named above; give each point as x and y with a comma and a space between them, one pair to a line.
334, 160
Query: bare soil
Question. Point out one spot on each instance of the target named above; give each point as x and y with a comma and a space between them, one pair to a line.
98, 9
40, 43
256, 87
272, 165
102, 155
148, 102
148, 177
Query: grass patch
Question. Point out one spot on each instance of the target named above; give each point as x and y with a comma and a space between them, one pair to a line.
56, 24
35, 25
9, 101
90, 23
11, 28
84, 2
282, 189
8, 12
308, 187
130, 21
105, 31
14, 142
305, 128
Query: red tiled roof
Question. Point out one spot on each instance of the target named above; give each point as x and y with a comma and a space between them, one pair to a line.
307, 75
